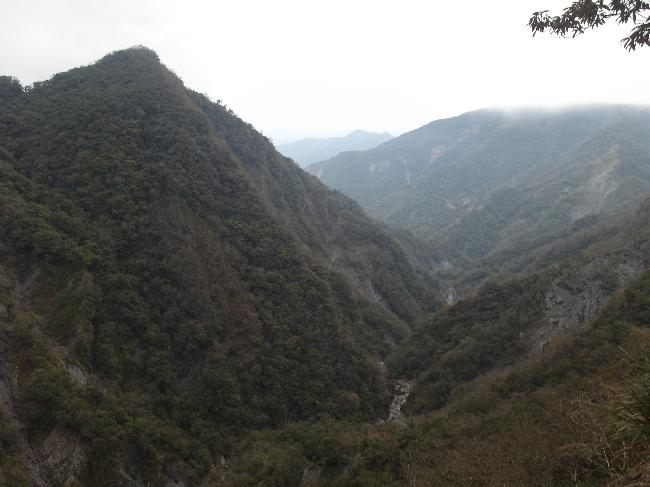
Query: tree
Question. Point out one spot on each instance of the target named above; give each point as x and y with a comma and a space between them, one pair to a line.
589, 14
10, 88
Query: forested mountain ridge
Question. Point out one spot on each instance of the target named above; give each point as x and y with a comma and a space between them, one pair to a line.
517, 381
181, 305
168, 280
311, 150
510, 319
539, 379
485, 180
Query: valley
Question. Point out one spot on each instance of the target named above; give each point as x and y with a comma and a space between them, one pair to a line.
465, 304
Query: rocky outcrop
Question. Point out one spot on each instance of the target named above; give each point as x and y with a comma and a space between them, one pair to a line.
63, 456
311, 476
402, 391
568, 304
574, 300
76, 374
451, 296
629, 269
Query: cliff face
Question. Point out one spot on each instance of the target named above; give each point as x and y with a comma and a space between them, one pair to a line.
574, 300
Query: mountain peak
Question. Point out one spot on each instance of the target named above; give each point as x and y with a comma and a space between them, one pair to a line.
137, 53
137, 68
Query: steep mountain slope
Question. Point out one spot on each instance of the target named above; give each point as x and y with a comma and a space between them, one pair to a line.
511, 319
311, 150
168, 280
537, 380
487, 179
181, 305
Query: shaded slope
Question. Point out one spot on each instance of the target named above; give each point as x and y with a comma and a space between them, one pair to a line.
198, 282
506, 321
549, 421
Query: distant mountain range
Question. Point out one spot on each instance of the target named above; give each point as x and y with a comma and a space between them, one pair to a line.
308, 151
486, 179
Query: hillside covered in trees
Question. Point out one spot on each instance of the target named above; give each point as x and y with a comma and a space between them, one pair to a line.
539, 378
168, 280
182, 305
489, 180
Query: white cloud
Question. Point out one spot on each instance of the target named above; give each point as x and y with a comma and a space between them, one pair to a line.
295, 68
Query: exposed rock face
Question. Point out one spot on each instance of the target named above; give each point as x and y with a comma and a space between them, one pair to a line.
76, 374
629, 269
603, 182
376, 297
572, 301
63, 456
452, 296
311, 476
569, 304
402, 391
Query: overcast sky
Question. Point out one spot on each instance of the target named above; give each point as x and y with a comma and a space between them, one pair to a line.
322, 68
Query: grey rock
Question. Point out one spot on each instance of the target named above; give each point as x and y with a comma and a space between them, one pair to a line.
78, 375
311, 476
402, 392
574, 300
629, 269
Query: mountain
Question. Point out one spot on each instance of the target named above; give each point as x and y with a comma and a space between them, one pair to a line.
536, 380
537, 371
168, 281
486, 180
573, 416
182, 305
519, 315
311, 150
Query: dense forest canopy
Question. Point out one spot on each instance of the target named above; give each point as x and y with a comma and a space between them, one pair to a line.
182, 305
199, 282
490, 183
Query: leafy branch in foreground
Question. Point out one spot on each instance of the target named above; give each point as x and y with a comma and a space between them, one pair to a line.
589, 14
